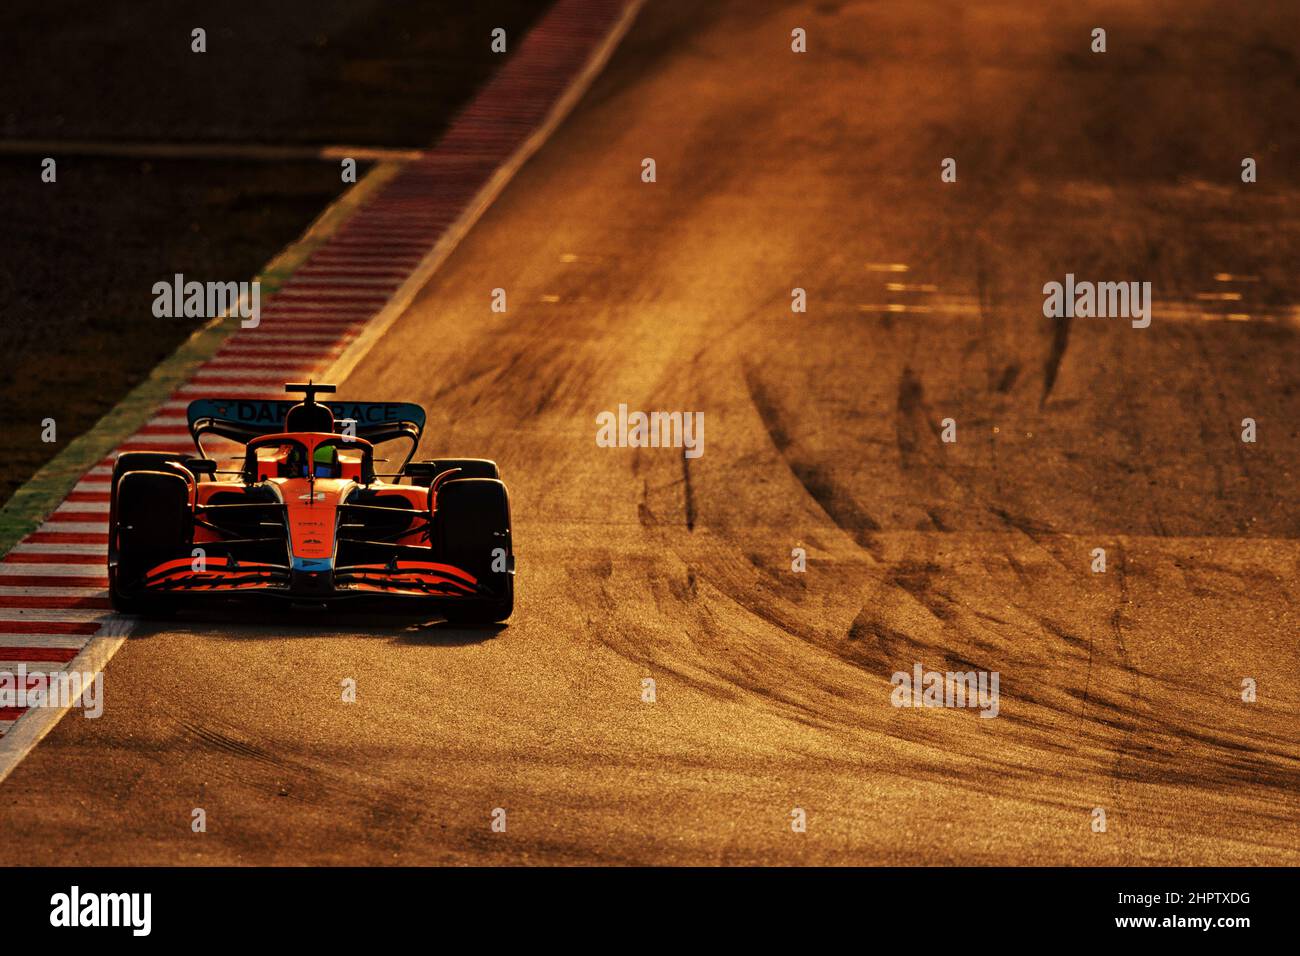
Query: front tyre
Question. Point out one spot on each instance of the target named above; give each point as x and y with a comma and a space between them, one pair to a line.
471, 531
152, 522
138, 604
483, 613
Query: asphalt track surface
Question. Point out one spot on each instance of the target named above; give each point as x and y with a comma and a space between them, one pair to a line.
1119, 691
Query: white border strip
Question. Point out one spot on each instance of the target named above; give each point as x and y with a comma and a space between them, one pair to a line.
30, 729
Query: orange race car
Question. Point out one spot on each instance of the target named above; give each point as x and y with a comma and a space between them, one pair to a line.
302, 515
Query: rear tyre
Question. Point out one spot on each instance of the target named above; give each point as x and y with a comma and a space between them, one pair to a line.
471, 531
152, 522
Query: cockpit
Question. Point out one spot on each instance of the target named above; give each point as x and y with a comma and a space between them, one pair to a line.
306, 456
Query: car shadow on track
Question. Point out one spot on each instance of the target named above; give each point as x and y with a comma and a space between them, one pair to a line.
447, 634
279, 625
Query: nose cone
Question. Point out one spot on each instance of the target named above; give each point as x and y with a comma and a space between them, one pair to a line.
313, 518
311, 576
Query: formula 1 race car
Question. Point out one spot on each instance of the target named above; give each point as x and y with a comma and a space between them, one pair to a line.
304, 517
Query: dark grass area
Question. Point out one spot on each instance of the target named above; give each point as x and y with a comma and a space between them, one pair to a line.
378, 72
78, 328
81, 255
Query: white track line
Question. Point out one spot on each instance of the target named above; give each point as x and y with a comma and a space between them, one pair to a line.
73, 527
11, 616
57, 642
51, 592
31, 547
48, 570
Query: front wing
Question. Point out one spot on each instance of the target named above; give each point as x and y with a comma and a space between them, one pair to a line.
223, 576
